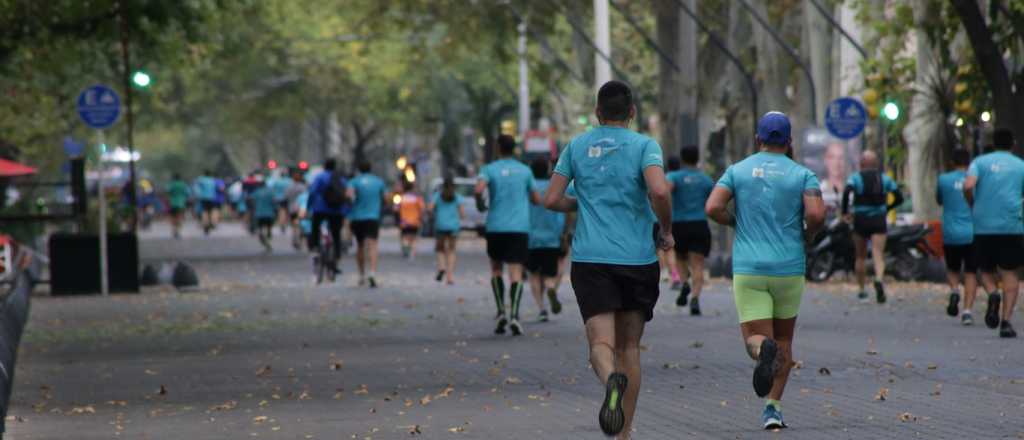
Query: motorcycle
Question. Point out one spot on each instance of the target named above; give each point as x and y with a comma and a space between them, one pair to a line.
906, 252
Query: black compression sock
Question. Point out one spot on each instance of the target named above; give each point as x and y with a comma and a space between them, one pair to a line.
516, 290
498, 288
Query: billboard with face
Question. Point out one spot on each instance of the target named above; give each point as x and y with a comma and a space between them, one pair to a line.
832, 160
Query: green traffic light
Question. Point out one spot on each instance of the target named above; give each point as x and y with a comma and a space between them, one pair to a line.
891, 111
141, 79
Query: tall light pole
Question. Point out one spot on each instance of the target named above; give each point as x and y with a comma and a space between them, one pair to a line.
603, 42
524, 83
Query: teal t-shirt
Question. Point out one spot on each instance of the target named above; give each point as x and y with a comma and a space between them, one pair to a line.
768, 190
263, 203
857, 182
306, 223
509, 184
690, 191
957, 221
546, 226
615, 224
446, 214
279, 188
997, 196
177, 194
369, 191
206, 188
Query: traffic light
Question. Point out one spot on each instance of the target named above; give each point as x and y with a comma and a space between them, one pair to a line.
303, 165
891, 111
272, 164
141, 79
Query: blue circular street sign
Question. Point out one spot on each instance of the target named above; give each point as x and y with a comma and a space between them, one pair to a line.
99, 106
845, 118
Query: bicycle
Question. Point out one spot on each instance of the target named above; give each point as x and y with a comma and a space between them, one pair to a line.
325, 265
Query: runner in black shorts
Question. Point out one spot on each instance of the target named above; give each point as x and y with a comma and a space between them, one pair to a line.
690, 191
510, 186
547, 231
958, 237
993, 187
619, 181
870, 188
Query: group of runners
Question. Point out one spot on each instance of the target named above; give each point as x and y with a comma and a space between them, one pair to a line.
609, 203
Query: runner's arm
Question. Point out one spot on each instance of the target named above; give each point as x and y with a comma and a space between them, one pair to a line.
814, 211
555, 199
716, 209
535, 198
660, 194
846, 199
969, 183
478, 193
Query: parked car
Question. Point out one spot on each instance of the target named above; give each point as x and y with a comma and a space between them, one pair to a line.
474, 219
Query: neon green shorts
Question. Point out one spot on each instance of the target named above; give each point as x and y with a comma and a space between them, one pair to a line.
767, 297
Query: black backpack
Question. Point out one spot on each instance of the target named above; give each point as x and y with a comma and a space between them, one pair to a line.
874, 191
334, 194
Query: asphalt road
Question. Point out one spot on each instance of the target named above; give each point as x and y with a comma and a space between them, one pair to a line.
259, 351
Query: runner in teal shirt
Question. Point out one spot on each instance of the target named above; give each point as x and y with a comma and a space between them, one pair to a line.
690, 191
774, 197
619, 178
994, 186
367, 191
446, 208
958, 237
547, 230
510, 187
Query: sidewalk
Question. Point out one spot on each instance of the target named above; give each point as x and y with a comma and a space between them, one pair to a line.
261, 353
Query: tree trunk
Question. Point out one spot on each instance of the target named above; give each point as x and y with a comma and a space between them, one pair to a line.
677, 97
819, 47
925, 132
1007, 99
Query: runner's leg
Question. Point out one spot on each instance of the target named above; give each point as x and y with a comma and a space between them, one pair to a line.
696, 272
361, 257
334, 223
452, 240
970, 290
515, 276
629, 328
783, 330
860, 247
1011, 285
601, 338
498, 286
537, 289
878, 255
373, 251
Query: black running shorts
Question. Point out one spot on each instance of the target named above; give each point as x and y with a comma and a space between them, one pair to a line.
508, 247
692, 237
960, 256
410, 230
544, 260
603, 288
868, 225
1005, 251
363, 229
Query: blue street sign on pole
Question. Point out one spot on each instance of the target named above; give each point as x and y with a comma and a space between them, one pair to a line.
845, 118
72, 148
99, 106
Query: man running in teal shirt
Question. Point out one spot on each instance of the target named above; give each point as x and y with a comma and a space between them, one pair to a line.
177, 195
547, 229
994, 184
620, 186
368, 192
690, 191
511, 187
958, 236
774, 197
870, 188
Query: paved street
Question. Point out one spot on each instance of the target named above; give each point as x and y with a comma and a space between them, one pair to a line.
260, 352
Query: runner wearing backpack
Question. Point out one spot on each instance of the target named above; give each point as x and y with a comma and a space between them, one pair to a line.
328, 202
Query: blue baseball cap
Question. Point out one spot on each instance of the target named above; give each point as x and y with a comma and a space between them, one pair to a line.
774, 129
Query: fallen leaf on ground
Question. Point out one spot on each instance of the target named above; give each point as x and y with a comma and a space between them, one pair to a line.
883, 393
362, 390
226, 406
263, 371
88, 409
425, 400
415, 430
697, 344
162, 391
824, 371
907, 417
932, 366
512, 380
259, 419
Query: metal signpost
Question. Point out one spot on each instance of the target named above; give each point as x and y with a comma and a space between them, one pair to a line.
99, 106
845, 118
